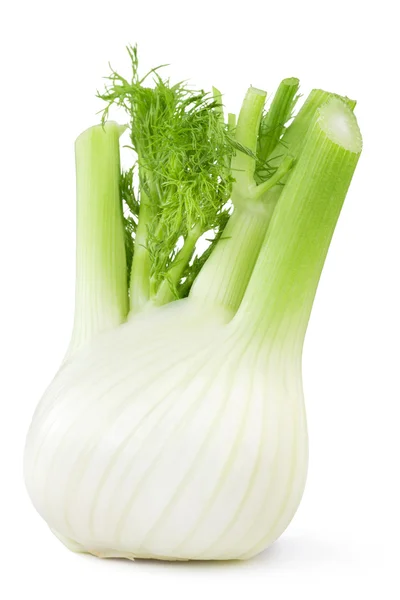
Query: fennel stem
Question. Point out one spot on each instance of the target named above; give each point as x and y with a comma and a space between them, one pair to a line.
224, 277
165, 292
284, 281
101, 296
139, 289
273, 123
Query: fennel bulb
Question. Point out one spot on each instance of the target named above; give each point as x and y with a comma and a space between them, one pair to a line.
178, 431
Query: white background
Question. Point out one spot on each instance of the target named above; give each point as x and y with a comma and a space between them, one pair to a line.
344, 540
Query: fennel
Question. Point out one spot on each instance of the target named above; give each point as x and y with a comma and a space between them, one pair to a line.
175, 428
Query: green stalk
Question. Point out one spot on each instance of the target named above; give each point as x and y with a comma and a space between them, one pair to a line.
220, 280
273, 124
243, 164
233, 260
139, 288
282, 287
224, 278
101, 297
165, 292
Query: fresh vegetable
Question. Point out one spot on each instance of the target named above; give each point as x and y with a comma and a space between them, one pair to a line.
175, 427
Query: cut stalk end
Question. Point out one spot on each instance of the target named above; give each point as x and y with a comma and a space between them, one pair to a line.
340, 125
